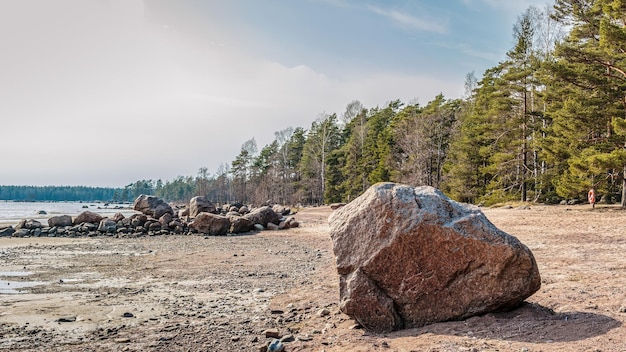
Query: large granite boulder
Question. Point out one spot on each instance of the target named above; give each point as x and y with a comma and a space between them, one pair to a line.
407, 257
137, 220
61, 220
88, 217
239, 224
152, 206
165, 219
107, 225
210, 224
118, 217
199, 205
29, 224
263, 216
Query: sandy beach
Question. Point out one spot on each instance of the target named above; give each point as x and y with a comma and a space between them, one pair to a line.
197, 293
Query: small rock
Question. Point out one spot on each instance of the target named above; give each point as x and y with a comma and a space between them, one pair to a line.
271, 333
323, 312
304, 338
66, 320
336, 206
127, 315
235, 338
122, 340
328, 327
288, 338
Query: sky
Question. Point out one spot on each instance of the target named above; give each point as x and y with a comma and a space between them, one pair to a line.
107, 92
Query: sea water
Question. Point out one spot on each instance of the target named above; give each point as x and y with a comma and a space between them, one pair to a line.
12, 212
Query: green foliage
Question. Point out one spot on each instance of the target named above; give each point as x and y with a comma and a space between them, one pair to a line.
589, 70
321, 140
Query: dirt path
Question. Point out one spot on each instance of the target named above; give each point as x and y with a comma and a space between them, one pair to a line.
194, 293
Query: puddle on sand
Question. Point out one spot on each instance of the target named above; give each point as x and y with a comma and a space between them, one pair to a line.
12, 287
15, 273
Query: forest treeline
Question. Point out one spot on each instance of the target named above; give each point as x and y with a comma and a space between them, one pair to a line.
55, 193
545, 124
75, 193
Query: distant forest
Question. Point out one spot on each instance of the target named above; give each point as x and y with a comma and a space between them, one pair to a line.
74, 193
546, 124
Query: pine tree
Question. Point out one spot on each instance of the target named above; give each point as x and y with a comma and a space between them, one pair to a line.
591, 64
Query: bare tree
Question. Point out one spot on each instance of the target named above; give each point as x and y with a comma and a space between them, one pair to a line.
282, 138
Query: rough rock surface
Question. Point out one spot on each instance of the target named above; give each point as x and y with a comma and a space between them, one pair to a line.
28, 224
239, 224
61, 220
165, 219
281, 209
107, 225
263, 216
89, 217
152, 206
7, 232
211, 224
408, 257
199, 205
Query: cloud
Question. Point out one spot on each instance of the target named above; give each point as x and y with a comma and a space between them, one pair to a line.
511, 6
467, 50
407, 20
102, 99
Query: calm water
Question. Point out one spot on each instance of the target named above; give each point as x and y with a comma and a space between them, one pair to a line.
13, 212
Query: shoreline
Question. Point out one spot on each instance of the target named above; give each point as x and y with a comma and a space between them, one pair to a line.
12, 212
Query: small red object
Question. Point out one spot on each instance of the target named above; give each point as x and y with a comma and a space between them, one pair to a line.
591, 197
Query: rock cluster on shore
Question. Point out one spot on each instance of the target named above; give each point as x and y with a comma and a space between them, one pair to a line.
159, 218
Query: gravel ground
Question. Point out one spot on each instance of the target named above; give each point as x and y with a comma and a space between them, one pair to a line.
236, 293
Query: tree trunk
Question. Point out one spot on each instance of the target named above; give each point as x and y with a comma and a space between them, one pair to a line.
623, 202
